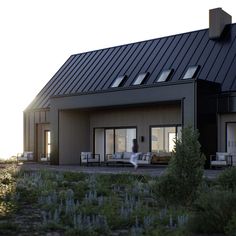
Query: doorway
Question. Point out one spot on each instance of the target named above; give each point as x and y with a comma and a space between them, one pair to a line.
111, 140
43, 142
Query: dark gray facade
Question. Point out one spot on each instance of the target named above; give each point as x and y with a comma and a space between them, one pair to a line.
84, 84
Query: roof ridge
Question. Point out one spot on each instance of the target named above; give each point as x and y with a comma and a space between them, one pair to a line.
137, 42
143, 41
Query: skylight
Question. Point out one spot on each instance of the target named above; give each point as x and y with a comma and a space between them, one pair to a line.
165, 75
191, 72
118, 82
140, 79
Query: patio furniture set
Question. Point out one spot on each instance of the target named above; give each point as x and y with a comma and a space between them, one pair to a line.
29, 156
124, 158
221, 159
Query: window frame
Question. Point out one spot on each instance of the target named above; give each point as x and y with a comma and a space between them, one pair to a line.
195, 72
111, 128
120, 80
143, 77
168, 77
162, 126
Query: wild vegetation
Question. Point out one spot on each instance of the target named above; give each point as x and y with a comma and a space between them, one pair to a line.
67, 203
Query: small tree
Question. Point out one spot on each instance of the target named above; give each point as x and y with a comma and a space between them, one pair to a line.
184, 173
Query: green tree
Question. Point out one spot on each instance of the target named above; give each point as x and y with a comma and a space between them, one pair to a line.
184, 174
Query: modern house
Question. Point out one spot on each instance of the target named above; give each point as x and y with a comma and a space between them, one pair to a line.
100, 100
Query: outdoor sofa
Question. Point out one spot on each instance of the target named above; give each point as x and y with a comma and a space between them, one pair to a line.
124, 158
161, 157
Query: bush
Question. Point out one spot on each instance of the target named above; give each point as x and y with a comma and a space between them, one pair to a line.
184, 174
230, 229
227, 179
213, 211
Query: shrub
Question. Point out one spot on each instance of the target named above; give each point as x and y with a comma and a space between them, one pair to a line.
213, 211
230, 229
227, 179
184, 174
71, 176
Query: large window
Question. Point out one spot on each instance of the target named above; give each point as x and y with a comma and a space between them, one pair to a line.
119, 139
162, 138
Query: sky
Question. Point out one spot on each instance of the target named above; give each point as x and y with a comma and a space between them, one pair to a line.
38, 36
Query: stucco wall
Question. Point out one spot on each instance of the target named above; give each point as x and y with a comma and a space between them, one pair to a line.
76, 127
73, 135
142, 118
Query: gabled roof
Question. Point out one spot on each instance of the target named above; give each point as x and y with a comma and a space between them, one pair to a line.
96, 70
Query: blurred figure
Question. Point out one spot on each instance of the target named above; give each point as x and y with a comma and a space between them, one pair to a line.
134, 156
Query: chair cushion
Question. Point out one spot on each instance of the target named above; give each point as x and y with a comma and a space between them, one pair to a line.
218, 163
118, 155
127, 155
221, 157
85, 154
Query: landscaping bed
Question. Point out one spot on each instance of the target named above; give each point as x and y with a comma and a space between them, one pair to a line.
67, 203
178, 203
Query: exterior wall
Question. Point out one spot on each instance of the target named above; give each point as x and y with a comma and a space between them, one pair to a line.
182, 93
73, 135
33, 120
142, 118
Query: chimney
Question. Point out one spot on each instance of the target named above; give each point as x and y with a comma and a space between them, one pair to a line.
218, 19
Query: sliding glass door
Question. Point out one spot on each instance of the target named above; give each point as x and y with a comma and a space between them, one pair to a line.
119, 139
231, 139
162, 138
111, 140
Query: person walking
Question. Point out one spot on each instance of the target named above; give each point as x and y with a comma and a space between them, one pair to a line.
134, 155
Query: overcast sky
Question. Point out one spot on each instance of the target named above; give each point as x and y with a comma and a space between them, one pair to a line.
37, 37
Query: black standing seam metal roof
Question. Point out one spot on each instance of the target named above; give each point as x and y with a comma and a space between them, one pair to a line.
96, 70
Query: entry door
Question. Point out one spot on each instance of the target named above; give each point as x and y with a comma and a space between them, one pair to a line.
231, 140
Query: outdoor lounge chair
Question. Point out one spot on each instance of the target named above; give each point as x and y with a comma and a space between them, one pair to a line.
89, 158
221, 159
44, 157
26, 156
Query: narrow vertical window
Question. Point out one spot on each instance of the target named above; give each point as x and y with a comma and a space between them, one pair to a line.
47, 145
